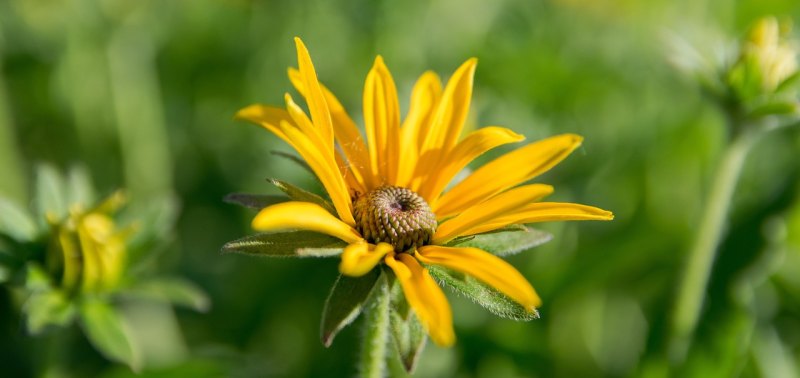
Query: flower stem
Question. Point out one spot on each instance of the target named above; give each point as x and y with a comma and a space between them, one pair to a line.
373, 353
700, 260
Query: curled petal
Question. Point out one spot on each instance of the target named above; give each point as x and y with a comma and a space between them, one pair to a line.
425, 297
304, 216
359, 258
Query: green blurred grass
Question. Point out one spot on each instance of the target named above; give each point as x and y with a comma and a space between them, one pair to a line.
144, 92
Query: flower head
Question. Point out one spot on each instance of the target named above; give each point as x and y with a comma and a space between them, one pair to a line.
388, 190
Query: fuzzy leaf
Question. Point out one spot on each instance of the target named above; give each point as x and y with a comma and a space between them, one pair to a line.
15, 222
254, 201
50, 198
46, 308
507, 241
494, 301
173, 290
409, 337
286, 244
345, 302
299, 194
105, 329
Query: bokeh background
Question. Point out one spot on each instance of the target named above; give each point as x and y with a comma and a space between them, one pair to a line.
142, 93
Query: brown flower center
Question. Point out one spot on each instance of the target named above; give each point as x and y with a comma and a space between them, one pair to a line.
394, 215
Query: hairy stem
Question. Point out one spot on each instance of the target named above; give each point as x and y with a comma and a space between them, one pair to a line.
376, 335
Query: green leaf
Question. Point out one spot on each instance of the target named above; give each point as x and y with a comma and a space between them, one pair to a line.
16, 222
80, 188
345, 302
173, 290
491, 299
299, 194
36, 279
507, 241
50, 197
295, 159
286, 244
788, 83
105, 329
45, 308
773, 108
409, 337
254, 201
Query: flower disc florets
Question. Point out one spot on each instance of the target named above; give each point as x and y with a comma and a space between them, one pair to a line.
394, 215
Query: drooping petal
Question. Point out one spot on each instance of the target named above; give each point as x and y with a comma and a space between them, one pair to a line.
382, 122
425, 297
543, 212
326, 169
486, 267
265, 116
505, 172
359, 258
474, 145
424, 98
304, 216
489, 210
315, 99
344, 129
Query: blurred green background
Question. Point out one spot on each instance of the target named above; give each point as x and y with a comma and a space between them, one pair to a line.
143, 94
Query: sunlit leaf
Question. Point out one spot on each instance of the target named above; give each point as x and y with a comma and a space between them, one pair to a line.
46, 308
16, 222
286, 244
774, 108
80, 188
105, 329
505, 242
345, 302
254, 201
50, 198
478, 292
299, 194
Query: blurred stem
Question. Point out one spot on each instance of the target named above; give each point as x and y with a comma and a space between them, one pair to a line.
701, 257
12, 185
373, 352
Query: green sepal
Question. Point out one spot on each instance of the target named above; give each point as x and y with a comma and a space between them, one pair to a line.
51, 201
254, 201
105, 329
407, 332
299, 194
287, 244
480, 293
174, 290
506, 241
345, 303
295, 159
16, 222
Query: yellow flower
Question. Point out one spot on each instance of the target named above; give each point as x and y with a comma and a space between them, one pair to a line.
389, 193
774, 58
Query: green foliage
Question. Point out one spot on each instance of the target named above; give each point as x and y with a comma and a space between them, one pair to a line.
254, 201
15, 222
302, 195
105, 328
506, 241
345, 303
286, 244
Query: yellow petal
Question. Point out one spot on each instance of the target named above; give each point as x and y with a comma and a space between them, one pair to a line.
344, 129
326, 169
315, 99
268, 117
424, 99
304, 216
359, 258
489, 210
425, 297
474, 145
486, 267
382, 122
543, 212
505, 172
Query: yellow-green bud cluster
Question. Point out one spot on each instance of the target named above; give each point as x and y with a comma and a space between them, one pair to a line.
395, 215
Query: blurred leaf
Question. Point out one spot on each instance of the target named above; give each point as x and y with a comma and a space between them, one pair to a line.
788, 83
174, 290
50, 197
80, 188
295, 159
5, 274
507, 241
299, 194
345, 302
478, 292
16, 222
105, 329
36, 279
409, 337
254, 201
285, 244
774, 108
48, 308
